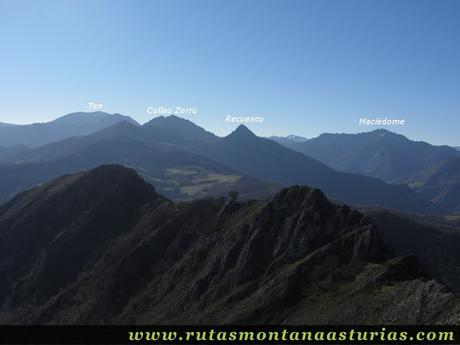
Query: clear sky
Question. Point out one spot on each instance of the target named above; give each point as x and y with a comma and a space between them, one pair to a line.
306, 66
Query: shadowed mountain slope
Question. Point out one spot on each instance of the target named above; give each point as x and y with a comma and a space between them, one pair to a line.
178, 131
291, 141
266, 159
244, 152
176, 173
379, 153
8, 151
102, 247
75, 124
72, 145
440, 183
171, 130
433, 241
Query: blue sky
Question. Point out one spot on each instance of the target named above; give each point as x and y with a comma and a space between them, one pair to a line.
306, 66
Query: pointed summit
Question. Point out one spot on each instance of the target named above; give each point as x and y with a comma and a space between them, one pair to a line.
242, 132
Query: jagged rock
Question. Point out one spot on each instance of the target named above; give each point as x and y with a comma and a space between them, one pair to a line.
103, 247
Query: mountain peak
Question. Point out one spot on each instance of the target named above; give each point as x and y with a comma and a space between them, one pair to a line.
105, 183
71, 125
173, 122
296, 138
302, 196
161, 120
242, 131
80, 118
177, 130
101, 224
382, 132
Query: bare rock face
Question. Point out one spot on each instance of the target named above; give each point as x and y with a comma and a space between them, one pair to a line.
434, 240
103, 247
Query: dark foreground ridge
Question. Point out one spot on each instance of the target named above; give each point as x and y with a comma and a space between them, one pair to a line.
102, 247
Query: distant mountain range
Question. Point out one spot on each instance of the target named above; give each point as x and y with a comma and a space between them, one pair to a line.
379, 153
185, 161
102, 247
137, 224
289, 141
392, 158
266, 159
75, 124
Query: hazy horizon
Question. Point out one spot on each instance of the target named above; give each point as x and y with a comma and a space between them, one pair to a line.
307, 68
235, 125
